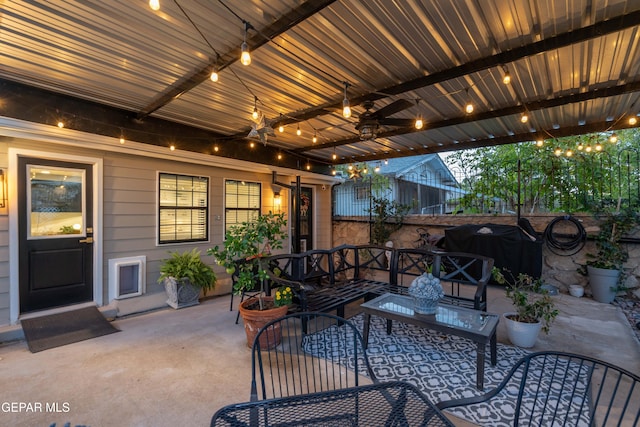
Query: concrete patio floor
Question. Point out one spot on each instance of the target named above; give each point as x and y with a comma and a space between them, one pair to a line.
177, 367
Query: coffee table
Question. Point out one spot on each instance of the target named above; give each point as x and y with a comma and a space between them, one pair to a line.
475, 325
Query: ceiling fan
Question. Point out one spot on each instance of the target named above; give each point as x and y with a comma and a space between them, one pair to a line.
370, 121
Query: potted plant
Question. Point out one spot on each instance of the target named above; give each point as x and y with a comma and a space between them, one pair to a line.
605, 266
257, 312
535, 309
244, 246
184, 275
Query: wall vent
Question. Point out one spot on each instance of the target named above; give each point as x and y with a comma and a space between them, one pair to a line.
127, 277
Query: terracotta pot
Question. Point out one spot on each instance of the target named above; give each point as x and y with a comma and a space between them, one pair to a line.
255, 319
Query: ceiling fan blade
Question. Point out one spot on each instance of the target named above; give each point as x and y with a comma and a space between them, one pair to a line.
391, 109
397, 122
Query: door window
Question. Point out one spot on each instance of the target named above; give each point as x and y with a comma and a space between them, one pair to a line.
55, 201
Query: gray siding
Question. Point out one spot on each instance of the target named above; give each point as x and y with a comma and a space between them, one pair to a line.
130, 211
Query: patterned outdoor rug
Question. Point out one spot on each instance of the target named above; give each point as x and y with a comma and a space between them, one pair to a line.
442, 366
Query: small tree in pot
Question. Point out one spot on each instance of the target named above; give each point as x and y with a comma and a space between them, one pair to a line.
243, 247
535, 309
184, 276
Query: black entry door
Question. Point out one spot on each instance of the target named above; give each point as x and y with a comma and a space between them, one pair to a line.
56, 233
306, 219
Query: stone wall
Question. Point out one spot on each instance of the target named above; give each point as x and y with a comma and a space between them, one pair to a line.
558, 270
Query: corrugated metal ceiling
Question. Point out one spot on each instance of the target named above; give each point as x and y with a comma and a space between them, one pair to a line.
575, 67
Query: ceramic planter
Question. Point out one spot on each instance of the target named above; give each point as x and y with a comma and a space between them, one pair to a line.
603, 283
521, 334
181, 293
254, 320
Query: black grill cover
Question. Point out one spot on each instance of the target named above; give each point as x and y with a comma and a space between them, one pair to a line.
508, 245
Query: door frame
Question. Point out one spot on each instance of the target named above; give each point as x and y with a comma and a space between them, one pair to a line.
97, 164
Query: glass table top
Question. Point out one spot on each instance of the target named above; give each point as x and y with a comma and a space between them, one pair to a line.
449, 315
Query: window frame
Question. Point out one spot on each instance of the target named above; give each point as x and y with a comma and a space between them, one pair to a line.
162, 206
258, 210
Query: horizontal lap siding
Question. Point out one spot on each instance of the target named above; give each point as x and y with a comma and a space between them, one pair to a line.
130, 210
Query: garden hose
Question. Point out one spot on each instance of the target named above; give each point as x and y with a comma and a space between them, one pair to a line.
564, 243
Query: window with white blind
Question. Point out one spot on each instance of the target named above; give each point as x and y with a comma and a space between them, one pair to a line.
183, 208
242, 202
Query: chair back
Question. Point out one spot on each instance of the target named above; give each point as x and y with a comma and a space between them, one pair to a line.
286, 361
565, 389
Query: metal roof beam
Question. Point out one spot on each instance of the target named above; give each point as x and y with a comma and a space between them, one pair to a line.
510, 139
598, 29
518, 109
262, 36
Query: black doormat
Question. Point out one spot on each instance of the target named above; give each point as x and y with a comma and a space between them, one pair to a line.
59, 329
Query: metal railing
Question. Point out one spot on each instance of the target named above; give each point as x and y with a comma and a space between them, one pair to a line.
530, 186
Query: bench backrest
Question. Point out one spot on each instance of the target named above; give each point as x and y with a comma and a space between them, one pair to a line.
374, 262
464, 276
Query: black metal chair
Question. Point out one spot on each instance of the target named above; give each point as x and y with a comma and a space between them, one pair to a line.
244, 294
286, 361
565, 389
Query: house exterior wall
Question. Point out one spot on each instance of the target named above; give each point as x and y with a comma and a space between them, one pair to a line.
129, 209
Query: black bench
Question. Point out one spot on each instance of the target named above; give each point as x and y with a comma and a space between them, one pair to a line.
321, 280
329, 279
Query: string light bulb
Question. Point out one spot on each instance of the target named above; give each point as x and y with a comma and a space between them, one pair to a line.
419, 122
524, 118
557, 151
308, 166
245, 56
598, 147
506, 79
298, 131
346, 108
569, 153
540, 143
580, 146
172, 147
60, 124
469, 107
613, 138
216, 148
315, 137
587, 148
214, 75
121, 140
333, 172
154, 4
633, 120
281, 126
279, 156
252, 144
254, 114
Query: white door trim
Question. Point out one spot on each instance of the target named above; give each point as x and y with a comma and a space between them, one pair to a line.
14, 288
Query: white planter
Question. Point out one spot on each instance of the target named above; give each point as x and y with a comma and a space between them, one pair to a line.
603, 283
181, 293
522, 334
576, 290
